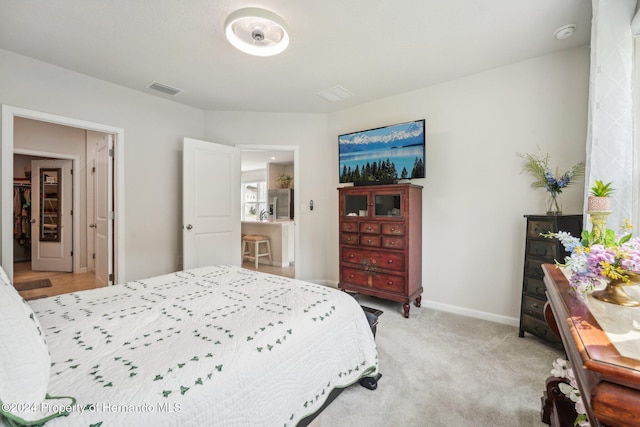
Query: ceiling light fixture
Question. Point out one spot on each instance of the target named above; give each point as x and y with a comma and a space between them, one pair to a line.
256, 32
564, 32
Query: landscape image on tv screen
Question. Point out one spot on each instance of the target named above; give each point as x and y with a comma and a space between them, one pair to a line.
385, 154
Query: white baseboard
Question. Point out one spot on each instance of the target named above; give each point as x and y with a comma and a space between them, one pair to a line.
497, 318
82, 270
477, 314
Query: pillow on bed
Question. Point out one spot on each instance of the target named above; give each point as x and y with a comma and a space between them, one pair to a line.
25, 361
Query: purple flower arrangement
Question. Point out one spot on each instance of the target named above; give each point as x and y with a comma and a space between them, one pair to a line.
591, 259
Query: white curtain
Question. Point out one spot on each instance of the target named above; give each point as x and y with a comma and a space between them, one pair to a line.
610, 152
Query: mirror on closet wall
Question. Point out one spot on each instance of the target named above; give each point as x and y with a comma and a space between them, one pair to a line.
50, 202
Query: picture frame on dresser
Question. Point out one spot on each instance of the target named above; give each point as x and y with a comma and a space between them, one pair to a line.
380, 238
541, 250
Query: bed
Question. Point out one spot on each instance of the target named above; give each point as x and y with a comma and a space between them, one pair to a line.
218, 345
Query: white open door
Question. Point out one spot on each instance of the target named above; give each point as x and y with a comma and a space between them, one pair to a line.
210, 204
51, 221
103, 208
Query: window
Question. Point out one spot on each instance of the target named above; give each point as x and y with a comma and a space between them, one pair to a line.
254, 200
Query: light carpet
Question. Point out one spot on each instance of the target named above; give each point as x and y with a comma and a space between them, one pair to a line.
443, 369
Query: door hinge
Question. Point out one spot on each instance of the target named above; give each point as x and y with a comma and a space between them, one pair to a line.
71, 253
71, 213
71, 171
112, 215
93, 256
93, 169
111, 277
110, 152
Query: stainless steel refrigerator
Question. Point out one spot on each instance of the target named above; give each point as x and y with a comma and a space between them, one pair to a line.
281, 203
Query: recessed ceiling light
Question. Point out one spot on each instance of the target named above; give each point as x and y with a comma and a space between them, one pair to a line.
564, 32
257, 32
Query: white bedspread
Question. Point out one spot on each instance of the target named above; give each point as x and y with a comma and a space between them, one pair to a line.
217, 346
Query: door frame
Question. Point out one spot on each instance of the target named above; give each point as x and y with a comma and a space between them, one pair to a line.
75, 229
297, 200
9, 113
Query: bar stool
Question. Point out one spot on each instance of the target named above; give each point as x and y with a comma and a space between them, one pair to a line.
255, 240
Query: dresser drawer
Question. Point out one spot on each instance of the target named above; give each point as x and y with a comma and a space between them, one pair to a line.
370, 240
349, 238
388, 282
393, 229
389, 261
539, 327
542, 249
370, 227
533, 267
349, 227
536, 227
533, 307
535, 287
356, 276
392, 242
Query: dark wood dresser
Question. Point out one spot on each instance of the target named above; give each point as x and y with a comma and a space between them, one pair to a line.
381, 242
609, 381
541, 250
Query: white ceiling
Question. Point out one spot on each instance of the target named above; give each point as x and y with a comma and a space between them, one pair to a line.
373, 48
258, 159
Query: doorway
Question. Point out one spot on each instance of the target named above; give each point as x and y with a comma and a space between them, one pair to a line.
260, 167
12, 120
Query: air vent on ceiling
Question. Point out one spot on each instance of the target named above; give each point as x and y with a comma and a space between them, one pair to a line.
164, 88
335, 94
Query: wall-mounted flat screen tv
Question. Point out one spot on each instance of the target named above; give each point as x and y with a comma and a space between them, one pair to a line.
383, 155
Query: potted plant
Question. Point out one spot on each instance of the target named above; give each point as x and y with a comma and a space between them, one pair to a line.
599, 199
284, 180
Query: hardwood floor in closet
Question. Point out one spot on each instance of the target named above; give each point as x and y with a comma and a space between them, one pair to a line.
62, 283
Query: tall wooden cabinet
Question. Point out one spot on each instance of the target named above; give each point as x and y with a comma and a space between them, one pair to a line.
381, 242
541, 250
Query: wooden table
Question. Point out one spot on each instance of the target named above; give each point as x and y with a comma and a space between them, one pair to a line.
608, 381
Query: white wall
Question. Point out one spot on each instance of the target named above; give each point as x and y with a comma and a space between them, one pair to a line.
153, 128
474, 196
309, 132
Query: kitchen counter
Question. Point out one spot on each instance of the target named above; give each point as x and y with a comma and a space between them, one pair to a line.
281, 237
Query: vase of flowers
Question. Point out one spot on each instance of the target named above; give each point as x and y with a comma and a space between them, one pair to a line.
603, 257
554, 204
538, 167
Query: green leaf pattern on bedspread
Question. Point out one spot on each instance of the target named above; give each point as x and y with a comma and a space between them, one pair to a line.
214, 341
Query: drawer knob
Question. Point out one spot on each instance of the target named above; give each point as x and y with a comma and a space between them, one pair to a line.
390, 261
369, 241
392, 243
351, 276
390, 283
393, 229
352, 256
348, 227
368, 228
534, 305
348, 239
